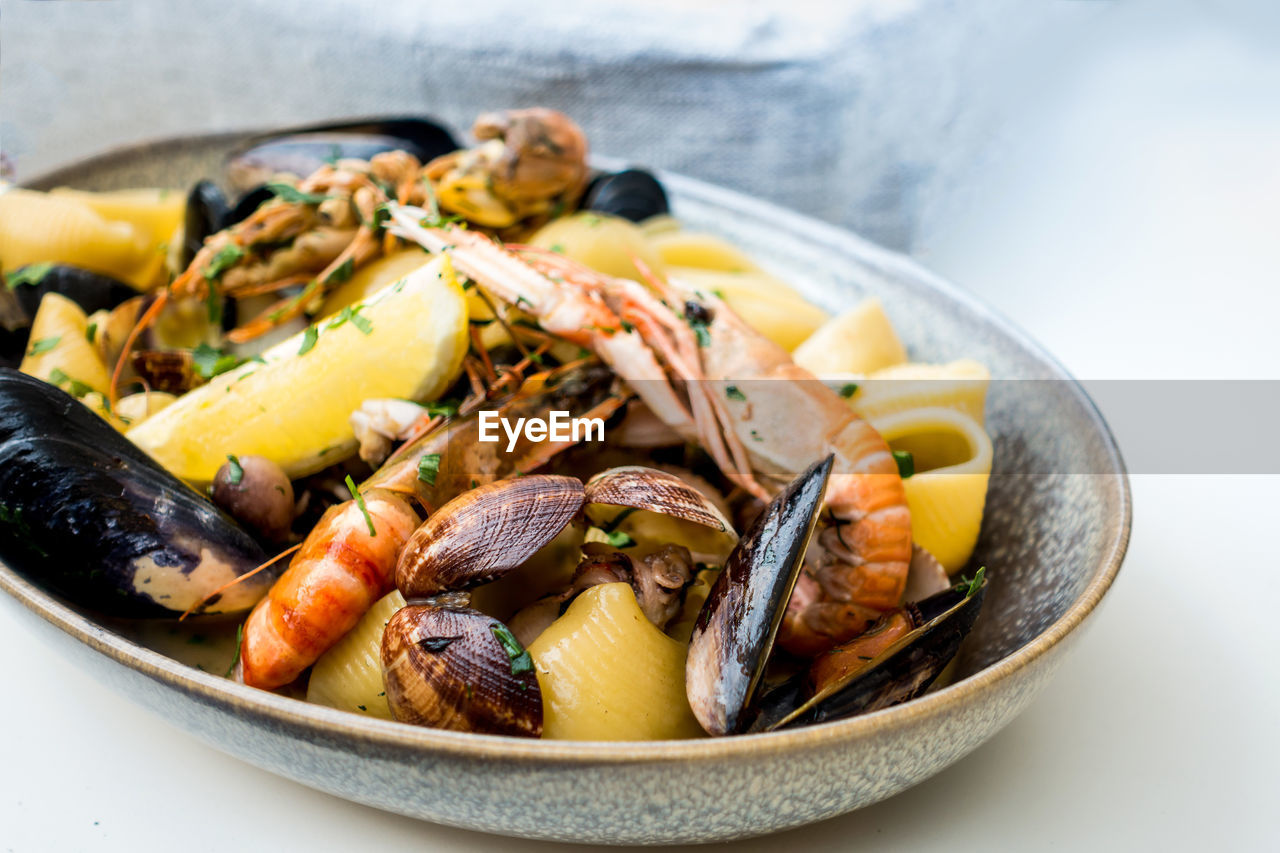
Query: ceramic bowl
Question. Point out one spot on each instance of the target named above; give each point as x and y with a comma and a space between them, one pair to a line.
1056, 527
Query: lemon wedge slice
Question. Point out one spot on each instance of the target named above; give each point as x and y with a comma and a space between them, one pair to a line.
294, 405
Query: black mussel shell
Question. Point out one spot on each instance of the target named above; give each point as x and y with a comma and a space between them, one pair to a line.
303, 150
90, 290
736, 627
247, 204
206, 214
89, 516
632, 194
903, 671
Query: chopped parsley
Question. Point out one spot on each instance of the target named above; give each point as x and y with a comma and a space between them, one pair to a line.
975, 584
612, 525
359, 499
43, 345
906, 463
309, 338
293, 195
352, 314
237, 470
74, 386
235, 660
442, 409
734, 393
342, 273
429, 468
628, 327
91, 332
619, 539
226, 258
848, 390
701, 333
210, 361
31, 274
521, 662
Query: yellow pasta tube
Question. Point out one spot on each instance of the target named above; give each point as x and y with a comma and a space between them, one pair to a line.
605, 243
59, 351
766, 303
349, 675
948, 491
861, 340
607, 673
155, 213
702, 251
960, 385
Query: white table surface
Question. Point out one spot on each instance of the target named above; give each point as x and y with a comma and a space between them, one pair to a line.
1132, 229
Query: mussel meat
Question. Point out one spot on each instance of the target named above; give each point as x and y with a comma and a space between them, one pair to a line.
736, 627
303, 150
896, 660
633, 194
91, 517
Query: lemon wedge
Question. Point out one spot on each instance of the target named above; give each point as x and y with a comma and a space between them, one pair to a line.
294, 405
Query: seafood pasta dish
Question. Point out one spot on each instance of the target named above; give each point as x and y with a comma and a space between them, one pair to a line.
479, 438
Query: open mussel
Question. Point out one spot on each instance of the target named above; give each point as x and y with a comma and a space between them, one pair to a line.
896, 660
737, 625
633, 194
303, 150
86, 514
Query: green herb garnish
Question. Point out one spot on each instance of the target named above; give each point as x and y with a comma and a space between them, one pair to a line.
612, 525
618, 538
442, 409
225, 259
906, 463
352, 314
74, 386
237, 470
521, 662
91, 332
293, 195
342, 273
429, 468
359, 499
235, 660
975, 584
700, 331
43, 345
309, 338
733, 393
849, 390
31, 274
211, 361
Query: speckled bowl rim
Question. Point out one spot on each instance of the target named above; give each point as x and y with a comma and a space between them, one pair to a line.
234, 697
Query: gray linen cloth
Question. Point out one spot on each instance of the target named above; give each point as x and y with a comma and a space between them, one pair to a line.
862, 113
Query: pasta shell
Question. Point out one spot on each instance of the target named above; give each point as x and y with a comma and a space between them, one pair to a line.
948, 491
349, 675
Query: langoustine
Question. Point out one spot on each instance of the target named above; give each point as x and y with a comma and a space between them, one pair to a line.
690, 367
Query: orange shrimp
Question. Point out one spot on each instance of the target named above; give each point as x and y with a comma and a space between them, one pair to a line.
342, 568
339, 573
755, 427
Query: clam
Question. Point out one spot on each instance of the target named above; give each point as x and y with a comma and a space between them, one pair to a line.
897, 659
448, 665
91, 517
485, 533
633, 194
735, 629
455, 668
